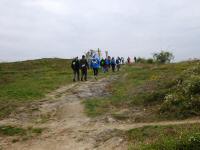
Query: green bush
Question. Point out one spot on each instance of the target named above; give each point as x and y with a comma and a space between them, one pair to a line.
11, 131
171, 137
141, 60
184, 99
163, 57
192, 85
17, 131
191, 142
145, 61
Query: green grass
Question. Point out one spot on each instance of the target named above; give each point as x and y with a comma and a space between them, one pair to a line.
30, 80
143, 85
19, 134
27, 81
17, 131
178, 137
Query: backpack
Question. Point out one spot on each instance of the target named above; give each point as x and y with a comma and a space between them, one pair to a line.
112, 62
117, 61
94, 61
102, 62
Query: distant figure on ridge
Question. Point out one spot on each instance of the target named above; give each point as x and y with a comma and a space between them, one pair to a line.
129, 60
113, 64
122, 59
75, 67
84, 67
135, 59
118, 62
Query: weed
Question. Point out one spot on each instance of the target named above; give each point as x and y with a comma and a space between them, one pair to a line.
179, 137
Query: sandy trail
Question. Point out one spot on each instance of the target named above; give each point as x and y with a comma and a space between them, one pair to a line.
68, 128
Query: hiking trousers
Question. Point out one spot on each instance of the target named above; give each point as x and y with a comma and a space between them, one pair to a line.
84, 74
118, 67
113, 68
96, 71
76, 73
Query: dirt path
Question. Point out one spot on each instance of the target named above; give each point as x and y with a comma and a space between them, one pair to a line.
67, 125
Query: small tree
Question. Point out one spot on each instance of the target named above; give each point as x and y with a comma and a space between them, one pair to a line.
163, 57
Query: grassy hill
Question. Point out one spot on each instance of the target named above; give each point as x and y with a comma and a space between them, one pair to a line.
142, 93
153, 93
168, 91
23, 82
27, 81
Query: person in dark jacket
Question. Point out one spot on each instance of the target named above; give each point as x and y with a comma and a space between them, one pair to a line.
118, 62
135, 59
75, 67
84, 67
113, 64
103, 65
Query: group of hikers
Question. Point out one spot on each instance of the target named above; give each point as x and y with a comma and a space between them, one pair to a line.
95, 63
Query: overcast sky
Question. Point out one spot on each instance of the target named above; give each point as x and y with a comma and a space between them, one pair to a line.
32, 29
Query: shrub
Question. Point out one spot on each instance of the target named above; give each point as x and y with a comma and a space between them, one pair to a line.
191, 142
163, 57
150, 61
145, 61
141, 60
184, 99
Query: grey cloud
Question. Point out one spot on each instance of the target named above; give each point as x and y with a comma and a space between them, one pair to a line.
65, 28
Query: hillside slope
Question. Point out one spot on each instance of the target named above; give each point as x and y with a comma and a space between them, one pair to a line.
27, 81
121, 110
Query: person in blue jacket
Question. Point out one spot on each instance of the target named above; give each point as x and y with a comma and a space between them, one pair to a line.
95, 64
107, 62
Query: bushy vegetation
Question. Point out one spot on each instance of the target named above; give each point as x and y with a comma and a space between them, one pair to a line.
13, 131
178, 137
184, 98
172, 88
162, 57
19, 134
145, 61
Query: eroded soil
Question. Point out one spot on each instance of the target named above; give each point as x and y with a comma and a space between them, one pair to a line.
62, 115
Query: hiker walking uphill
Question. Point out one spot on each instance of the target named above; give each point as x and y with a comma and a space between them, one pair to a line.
135, 59
95, 64
113, 64
103, 65
129, 60
107, 66
118, 61
75, 67
122, 60
84, 67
